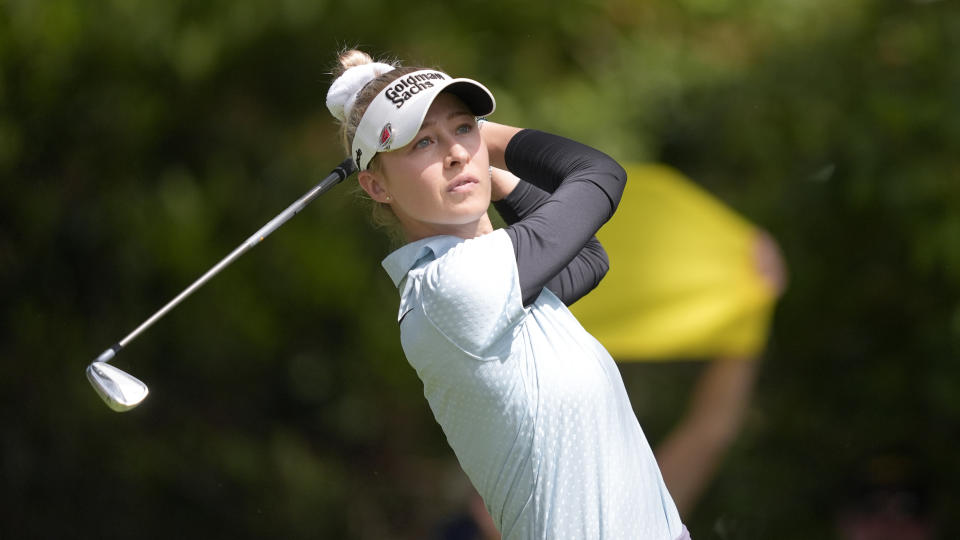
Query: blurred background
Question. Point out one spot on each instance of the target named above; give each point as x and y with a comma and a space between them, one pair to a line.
142, 140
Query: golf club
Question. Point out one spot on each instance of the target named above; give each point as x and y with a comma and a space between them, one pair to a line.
122, 391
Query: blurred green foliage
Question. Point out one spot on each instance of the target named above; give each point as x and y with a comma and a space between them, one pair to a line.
140, 141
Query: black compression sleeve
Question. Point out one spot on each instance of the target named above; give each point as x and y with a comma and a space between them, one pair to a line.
585, 187
524, 199
586, 269
547, 161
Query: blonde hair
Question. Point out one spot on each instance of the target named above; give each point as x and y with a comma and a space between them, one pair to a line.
381, 214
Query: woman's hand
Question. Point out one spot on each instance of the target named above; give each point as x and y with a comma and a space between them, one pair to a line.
497, 136
501, 183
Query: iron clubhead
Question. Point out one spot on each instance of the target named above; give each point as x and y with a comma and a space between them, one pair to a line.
118, 389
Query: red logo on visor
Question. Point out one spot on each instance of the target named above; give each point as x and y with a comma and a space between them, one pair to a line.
386, 137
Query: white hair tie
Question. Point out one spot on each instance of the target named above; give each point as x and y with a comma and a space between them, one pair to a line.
343, 92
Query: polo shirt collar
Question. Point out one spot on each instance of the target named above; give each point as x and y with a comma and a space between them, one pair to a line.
401, 261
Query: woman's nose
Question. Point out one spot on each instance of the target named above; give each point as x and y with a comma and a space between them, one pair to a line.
456, 155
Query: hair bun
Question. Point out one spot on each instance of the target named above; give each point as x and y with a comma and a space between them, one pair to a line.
351, 58
359, 69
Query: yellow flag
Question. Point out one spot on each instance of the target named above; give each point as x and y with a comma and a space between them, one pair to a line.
683, 280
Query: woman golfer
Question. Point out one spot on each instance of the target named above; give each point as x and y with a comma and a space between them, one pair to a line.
532, 405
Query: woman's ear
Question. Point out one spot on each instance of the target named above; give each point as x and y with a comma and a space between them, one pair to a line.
373, 184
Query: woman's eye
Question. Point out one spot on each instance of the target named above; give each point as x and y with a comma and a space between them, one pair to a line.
422, 143
465, 128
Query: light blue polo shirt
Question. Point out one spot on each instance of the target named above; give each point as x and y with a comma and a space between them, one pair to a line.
532, 405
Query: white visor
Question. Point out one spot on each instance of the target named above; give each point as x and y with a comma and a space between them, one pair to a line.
393, 118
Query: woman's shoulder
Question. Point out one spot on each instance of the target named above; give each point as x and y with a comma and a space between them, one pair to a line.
471, 293
491, 252
477, 273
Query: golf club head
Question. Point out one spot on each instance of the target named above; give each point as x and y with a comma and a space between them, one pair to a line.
118, 389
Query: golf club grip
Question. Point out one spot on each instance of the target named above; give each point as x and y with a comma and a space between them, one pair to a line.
337, 175
346, 168
342, 171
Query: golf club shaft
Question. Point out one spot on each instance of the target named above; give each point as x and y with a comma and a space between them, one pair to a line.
342, 171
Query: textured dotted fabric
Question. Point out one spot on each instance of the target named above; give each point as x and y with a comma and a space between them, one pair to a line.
533, 407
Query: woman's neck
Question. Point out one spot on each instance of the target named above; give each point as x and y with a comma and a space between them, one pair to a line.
419, 231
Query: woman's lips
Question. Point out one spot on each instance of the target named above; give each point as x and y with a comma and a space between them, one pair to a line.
462, 184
